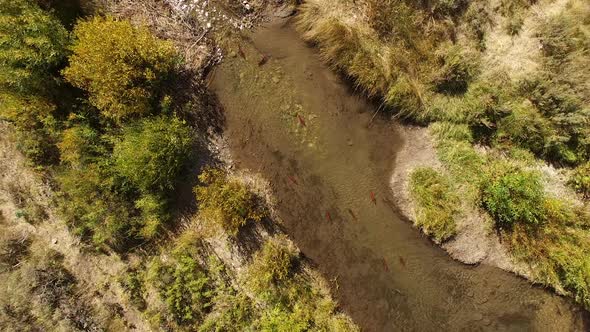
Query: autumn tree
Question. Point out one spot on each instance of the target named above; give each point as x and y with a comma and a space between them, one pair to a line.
122, 67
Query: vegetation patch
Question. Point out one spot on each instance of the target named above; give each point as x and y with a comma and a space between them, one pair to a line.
559, 248
422, 59
293, 299
436, 203
105, 128
514, 197
122, 67
580, 180
226, 201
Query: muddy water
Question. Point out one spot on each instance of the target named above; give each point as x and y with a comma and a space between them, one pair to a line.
292, 120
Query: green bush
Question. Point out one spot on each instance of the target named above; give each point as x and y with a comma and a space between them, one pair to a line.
132, 282
279, 319
273, 264
185, 289
572, 265
78, 145
580, 180
188, 286
234, 312
514, 197
122, 67
226, 202
457, 67
436, 202
32, 50
93, 208
407, 97
524, 127
153, 152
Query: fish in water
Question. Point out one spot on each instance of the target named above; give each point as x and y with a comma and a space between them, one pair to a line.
402, 261
385, 266
352, 214
373, 199
263, 60
241, 52
328, 216
301, 120
292, 179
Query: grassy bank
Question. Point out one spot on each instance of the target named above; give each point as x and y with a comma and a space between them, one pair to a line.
503, 88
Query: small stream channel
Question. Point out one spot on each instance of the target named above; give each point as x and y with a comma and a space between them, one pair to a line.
291, 119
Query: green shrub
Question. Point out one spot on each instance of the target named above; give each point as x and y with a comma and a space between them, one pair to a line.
93, 209
102, 209
234, 312
122, 67
524, 127
32, 49
514, 197
78, 145
580, 180
226, 202
407, 97
152, 153
572, 265
279, 319
122, 198
457, 67
132, 282
293, 300
436, 202
185, 287
273, 264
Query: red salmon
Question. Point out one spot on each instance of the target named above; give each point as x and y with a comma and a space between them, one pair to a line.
373, 199
385, 265
293, 180
301, 120
328, 216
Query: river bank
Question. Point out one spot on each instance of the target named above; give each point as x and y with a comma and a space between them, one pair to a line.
297, 124
497, 186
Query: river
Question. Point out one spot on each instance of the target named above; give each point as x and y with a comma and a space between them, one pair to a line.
291, 119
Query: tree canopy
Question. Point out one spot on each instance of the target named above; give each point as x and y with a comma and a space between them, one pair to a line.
121, 66
152, 153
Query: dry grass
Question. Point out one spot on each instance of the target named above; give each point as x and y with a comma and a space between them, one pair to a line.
519, 55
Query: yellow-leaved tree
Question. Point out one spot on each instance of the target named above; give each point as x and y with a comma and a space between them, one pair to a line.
121, 66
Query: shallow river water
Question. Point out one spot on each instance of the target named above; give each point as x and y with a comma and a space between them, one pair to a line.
291, 119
